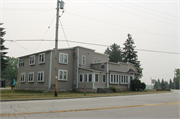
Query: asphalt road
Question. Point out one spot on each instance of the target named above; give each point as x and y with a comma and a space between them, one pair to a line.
149, 106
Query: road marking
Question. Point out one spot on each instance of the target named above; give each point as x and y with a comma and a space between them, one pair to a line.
16, 114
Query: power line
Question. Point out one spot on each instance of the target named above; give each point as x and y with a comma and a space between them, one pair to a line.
108, 46
120, 25
134, 14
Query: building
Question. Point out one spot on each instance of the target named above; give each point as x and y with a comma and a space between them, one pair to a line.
75, 65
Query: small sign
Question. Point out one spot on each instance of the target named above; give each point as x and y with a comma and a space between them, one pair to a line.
153, 81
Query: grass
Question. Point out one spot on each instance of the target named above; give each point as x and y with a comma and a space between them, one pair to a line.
19, 94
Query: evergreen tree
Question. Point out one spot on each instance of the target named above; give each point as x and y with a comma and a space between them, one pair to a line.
176, 79
159, 84
2, 50
162, 81
130, 55
114, 53
170, 84
156, 85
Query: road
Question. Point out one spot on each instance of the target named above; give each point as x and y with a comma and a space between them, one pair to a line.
149, 106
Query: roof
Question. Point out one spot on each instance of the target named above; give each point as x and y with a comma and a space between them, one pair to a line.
132, 71
92, 69
118, 71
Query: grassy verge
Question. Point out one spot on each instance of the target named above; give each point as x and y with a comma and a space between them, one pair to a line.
17, 94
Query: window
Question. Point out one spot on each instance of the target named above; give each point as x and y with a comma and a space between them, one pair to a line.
42, 58
23, 77
21, 62
32, 60
40, 76
81, 78
114, 79
94, 60
83, 60
99, 60
96, 78
90, 77
104, 79
124, 79
63, 75
63, 58
102, 66
31, 77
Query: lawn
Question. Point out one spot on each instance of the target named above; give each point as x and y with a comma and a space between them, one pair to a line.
18, 94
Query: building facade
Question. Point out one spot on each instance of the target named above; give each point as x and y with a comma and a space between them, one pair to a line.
78, 68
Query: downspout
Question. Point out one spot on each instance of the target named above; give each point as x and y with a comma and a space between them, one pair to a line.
50, 67
93, 79
77, 67
107, 70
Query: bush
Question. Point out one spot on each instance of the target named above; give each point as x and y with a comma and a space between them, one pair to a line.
143, 86
135, 84
113, 89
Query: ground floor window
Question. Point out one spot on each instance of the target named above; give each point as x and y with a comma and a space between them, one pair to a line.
96, 78
81, 78
23, 77
62, 75
114, 78
104, 78
31, 77
40, 76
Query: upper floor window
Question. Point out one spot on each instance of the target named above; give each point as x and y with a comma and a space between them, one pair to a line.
23, 77
94, 60
32, 60
99, 60
104, 78
63, 75
83, 60
21, 62
42, 58
102, 66
31, 77
63, 58
40, 76
96, 78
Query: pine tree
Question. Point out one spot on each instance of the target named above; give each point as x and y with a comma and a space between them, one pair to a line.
170, 84
130, 55
2, 52
156, 85
114, 53
159, 84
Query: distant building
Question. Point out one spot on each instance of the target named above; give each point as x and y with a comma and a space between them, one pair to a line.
75, 65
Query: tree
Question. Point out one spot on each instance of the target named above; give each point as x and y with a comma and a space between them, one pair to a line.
159, 84
156, 85
130, 55
135, 84
114, 53
162, 81
176, 78
11, 70
2, 50
170, 84
143, 85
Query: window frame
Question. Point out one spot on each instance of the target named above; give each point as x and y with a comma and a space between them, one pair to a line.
62, 75
95, 78
21, 62
64, 54
32, 77
40, 62
124, 79
114, 79
40, 76
94, 59
103, 78
23, 76
33, 56
83, 56
82, 78
99, 60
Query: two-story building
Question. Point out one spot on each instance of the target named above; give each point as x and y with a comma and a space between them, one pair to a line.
78, 67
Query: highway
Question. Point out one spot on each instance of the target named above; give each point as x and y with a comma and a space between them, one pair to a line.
148, 106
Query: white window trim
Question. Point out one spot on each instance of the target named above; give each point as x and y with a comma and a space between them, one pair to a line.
88, 77
21, 61
63, 58
34, 60
38, 74
63, 75
82, 78
40, 62
95, 78
32, 77
99, 60
122, 80
94, 60
115, 78
105, 78
24, 77
82, 60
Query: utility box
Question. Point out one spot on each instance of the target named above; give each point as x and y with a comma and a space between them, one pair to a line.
62, 4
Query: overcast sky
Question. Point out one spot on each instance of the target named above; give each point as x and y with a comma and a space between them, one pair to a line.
154, 25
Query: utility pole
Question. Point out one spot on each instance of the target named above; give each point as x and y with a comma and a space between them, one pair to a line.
56, 43
174, 78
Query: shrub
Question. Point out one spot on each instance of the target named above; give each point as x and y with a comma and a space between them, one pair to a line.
143, 86
135, 84
113, 89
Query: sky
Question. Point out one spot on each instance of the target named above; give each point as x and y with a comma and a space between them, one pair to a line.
153, 24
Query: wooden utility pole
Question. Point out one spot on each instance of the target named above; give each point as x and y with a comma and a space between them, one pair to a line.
56, 48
